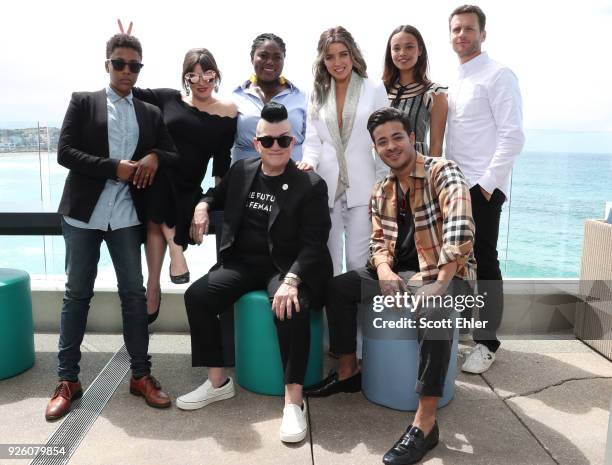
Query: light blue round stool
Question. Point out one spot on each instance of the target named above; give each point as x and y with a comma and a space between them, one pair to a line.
389, 372
258, 362
16, 324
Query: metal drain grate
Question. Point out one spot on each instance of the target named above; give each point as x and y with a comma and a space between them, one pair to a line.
86, 410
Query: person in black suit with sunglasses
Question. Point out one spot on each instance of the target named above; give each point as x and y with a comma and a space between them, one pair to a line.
113, 145
274, 237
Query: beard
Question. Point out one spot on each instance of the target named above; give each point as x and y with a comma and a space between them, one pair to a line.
471, 49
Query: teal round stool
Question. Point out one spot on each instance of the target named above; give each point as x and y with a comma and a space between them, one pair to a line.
258, 362
16, 324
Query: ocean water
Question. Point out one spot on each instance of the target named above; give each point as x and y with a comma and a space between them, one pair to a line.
540, 233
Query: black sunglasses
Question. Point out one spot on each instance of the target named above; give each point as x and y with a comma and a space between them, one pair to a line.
268, 141
119, 65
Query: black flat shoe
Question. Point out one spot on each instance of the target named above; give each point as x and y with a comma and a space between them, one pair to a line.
153, 316
179, 279
333, 385
412, 446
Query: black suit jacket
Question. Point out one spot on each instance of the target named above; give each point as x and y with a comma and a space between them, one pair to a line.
83, 148
298, 226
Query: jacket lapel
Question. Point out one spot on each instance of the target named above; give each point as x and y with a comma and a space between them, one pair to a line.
283, 191
140, 111
101, 115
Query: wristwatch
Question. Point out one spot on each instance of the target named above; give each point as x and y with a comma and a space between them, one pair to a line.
291, 279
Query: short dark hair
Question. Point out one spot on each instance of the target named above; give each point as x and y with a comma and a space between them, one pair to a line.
204, 58
274, 112
120, 41
482, 19
385, 115
261, 38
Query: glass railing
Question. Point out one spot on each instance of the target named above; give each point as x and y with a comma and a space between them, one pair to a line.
32, 181
552, 194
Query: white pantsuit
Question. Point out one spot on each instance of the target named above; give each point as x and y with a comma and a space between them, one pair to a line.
350, 213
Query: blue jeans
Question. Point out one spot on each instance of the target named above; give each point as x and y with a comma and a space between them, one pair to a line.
82, 256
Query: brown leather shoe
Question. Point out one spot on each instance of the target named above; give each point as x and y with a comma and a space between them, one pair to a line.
149, 388
60, 403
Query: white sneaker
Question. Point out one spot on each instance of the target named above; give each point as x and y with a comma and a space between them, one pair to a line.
478, 360
206, 394
294, 425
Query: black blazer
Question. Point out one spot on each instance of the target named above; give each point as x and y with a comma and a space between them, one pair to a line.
83, 148
298, 227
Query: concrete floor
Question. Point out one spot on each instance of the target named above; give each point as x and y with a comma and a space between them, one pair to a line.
542, 402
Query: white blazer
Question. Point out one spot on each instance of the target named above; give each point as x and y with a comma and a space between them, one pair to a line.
363, 165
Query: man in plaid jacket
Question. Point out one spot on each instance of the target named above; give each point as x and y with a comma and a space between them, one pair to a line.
422, 239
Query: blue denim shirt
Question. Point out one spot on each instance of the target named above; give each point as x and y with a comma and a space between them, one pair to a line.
249, 113
115, 208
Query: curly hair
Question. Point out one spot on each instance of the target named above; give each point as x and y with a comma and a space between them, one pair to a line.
123, 40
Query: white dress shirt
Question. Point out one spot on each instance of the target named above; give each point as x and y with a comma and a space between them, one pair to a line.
484, 132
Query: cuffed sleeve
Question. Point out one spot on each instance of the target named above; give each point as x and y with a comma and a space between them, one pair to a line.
506, 107
458, 224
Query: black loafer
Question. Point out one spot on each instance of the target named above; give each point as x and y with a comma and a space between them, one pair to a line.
412, 446
179, 279
333, 385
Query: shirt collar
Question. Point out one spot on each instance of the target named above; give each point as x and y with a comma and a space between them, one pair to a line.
472, 65
242, 88
419, 167
114, 97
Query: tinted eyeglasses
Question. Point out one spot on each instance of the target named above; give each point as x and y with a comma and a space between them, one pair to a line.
206, 78
119, 65
268, 141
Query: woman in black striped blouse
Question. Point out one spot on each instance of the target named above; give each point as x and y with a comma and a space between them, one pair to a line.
411, 91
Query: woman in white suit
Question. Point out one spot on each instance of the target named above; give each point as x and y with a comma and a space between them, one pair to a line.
338, 146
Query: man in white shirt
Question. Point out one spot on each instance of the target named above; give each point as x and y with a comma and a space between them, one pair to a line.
484, 136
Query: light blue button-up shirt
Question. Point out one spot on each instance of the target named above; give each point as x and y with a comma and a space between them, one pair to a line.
249, 113
115, 207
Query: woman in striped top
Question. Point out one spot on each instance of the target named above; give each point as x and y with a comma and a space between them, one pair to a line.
411, 91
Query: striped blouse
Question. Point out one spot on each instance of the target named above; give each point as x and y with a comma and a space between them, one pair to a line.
416, 100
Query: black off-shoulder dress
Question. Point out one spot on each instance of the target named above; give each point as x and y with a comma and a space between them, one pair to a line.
198, 136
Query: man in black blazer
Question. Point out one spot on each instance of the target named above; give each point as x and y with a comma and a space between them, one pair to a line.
274, 236
113, 145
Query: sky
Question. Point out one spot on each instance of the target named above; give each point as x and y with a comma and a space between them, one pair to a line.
558, 49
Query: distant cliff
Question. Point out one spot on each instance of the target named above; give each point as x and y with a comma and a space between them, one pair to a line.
29, 139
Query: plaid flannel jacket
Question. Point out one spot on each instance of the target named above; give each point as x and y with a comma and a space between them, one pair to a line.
443, 224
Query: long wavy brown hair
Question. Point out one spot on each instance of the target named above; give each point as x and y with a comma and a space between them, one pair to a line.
322, 78
391, 74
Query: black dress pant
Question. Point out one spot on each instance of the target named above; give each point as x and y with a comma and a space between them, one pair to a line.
487, 215
346, 291
217, 291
